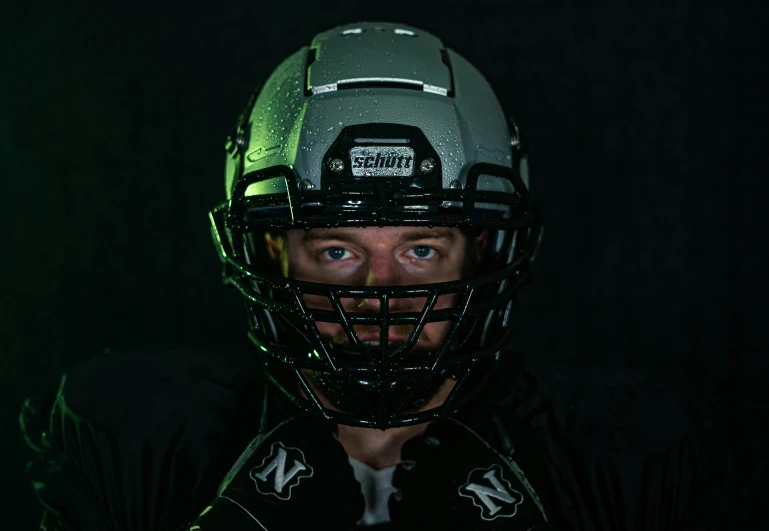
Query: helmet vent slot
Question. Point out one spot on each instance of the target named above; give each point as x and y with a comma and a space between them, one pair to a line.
380, 83
446, 61
312, 55
382, 140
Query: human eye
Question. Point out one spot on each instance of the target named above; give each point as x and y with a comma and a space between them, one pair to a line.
335, 253
422, 252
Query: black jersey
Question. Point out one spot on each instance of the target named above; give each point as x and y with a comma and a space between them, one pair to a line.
141, 441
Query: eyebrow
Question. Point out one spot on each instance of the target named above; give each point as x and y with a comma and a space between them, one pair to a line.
441, 233
438, 233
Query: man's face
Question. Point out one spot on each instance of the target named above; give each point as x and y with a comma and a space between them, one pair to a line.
378, 256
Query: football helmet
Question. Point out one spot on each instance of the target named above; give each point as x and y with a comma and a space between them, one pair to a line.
376, 124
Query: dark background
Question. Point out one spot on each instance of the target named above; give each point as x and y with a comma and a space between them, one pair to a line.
648, 127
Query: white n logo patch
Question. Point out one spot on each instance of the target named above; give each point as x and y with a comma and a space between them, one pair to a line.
491, 492
275, 464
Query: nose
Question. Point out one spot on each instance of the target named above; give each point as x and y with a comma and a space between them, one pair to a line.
382, 269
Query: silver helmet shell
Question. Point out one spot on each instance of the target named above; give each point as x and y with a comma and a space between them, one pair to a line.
372, 73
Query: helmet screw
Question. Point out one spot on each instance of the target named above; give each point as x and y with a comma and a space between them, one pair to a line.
336, 165
455, 185
427, 165
306, 184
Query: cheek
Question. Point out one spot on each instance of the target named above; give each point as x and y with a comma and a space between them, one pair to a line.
318, 302
331, 331
298, 265
447, 301
437, 330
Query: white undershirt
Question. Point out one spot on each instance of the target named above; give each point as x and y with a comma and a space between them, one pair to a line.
377, 486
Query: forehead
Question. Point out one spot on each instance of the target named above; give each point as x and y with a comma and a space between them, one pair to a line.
375, 235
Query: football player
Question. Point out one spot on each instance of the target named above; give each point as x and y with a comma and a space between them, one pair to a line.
378, 223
